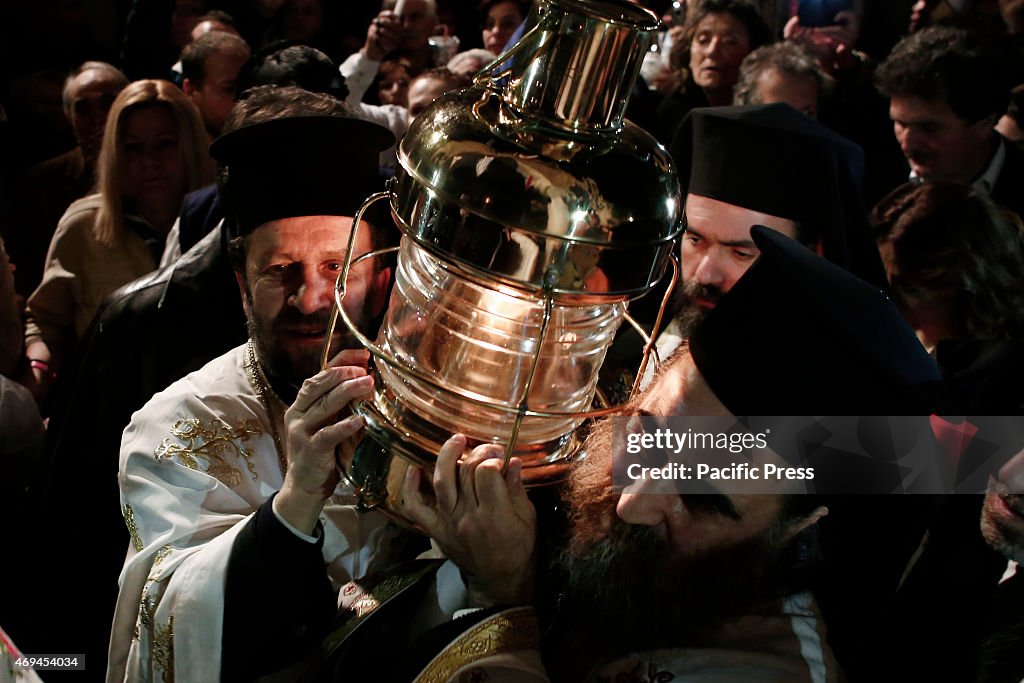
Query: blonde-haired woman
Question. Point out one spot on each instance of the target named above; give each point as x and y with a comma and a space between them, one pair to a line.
154, 151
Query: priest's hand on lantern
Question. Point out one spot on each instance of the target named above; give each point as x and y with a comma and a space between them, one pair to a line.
481, 519
318, 430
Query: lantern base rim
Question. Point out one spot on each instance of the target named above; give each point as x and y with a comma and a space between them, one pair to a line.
378, 485
408, 435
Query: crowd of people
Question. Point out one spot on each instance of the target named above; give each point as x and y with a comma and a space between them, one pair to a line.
179, 182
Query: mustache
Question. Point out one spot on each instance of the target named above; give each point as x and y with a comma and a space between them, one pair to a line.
696, 290
292, 318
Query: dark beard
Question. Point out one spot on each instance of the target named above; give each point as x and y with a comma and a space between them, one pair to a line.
286, 372
686, 311
278, 366
625, 588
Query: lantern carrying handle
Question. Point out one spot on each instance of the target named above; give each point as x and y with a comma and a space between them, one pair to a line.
520, 411
342, 281
402, 365
649, 340
338, 310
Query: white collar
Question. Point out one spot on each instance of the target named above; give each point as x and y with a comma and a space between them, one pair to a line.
1011, 571
987, 180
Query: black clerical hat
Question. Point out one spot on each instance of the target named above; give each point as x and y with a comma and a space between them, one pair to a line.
298, 166
797, 335
773, 159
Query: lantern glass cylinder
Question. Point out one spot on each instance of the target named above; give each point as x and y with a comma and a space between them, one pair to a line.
479, 341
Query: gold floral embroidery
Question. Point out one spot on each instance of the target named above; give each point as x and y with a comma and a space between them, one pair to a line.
129, 520
163, 649
158, 558
511, 630
205, 447
147, 605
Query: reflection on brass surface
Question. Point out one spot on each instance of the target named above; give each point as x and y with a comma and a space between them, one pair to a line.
532, 212
504, 210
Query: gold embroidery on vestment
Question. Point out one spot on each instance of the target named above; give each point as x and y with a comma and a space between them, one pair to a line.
163, 649
371, 593
158, 558
511, 630
205, 447
147, 605
133, 531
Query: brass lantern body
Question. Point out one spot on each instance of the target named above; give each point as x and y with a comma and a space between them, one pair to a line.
531, 213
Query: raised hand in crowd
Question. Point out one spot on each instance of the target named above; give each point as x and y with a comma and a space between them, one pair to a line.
383, 36
831, 45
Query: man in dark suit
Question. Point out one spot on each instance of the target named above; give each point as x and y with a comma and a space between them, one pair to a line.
947, 88
150, 333
51, 187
